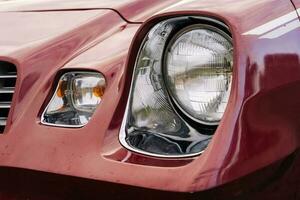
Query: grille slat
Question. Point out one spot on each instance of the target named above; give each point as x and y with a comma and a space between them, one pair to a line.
8, 76
7, 90
2, 121
4, 104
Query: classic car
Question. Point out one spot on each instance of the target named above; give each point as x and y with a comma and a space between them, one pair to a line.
149, 99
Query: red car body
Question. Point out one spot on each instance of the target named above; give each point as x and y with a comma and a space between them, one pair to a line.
254, 152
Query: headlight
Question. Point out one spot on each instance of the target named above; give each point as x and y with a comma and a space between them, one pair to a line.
180, 88
75, 99
199, 72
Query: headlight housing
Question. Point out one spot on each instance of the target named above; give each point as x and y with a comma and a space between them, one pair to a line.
75, 99
180, 88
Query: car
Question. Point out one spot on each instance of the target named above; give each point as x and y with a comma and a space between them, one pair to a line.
181, 99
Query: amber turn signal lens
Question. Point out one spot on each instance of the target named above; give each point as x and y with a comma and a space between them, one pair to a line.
62, 87
98, 91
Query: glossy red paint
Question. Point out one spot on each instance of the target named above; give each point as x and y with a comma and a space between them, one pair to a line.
297, 5
260, 127
296, 2
279, 183
132, 10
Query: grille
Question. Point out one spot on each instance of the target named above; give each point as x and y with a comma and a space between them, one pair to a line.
8, 77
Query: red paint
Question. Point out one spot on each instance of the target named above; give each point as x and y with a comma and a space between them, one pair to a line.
260, 127
132, 10
297, 5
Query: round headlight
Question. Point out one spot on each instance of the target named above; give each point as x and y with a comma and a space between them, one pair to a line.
198, 70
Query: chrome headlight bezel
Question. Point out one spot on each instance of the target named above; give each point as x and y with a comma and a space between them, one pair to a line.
208, 128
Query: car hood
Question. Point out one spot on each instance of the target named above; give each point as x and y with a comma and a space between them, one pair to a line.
139, 11
131, 10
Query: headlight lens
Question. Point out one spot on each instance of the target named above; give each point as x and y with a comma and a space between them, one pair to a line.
75, 99
199, 72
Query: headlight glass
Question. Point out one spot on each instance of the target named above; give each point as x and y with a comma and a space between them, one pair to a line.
75, 99
199, 72
180, 88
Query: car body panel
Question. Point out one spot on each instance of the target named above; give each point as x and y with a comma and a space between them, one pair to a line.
297, 5
296, 2
130, 9
141, 10
27, 36
254, 133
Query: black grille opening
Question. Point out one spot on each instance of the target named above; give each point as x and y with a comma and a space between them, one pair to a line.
8, 77
6, 98
4, 113
8, 82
